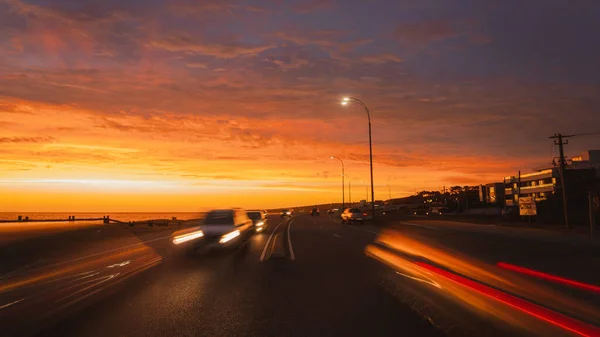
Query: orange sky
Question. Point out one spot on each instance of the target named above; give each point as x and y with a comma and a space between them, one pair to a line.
180, 106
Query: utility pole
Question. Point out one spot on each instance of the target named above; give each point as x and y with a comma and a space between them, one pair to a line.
343, 183
558, 140
350, 193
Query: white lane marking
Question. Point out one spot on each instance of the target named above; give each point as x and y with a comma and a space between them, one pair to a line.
421, 226
431, 282
328, 217
290, 240
336, 235
108, 251
264, 252
11, 303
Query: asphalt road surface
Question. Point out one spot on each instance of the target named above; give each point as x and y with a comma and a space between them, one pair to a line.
314, 280
303, 276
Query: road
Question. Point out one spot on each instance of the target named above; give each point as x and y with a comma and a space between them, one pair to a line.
314, 280
303, 276
506, 281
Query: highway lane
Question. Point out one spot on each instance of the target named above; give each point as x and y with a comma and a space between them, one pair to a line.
302, 276
457, 266
316, 280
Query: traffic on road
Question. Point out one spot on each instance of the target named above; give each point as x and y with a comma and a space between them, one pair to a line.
304, 275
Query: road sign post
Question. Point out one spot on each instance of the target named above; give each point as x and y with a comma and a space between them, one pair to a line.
527, 206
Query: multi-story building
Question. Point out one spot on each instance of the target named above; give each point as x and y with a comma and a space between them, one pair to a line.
545, 182
587, 159
540, 185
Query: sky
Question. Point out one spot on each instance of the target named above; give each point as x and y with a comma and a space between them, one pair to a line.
181, 105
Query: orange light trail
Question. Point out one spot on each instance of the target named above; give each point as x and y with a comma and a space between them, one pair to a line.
541, 313
549, 277
68, 269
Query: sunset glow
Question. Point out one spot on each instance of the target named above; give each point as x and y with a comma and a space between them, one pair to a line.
186, 105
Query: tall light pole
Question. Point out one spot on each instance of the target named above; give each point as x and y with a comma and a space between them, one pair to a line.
343, 184
345, 101
349, 193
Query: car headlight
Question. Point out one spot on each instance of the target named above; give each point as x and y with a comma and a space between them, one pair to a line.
260, 223
187, 237
229, 236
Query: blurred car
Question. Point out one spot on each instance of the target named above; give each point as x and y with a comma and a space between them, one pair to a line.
333, 210
287, 212
353, 215
222, 229
315, 211
258, 219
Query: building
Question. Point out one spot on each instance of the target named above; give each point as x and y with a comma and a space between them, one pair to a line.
540, 185
545, 182
586, 160
492, 193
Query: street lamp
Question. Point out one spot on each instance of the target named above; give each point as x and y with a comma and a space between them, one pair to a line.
345, 101
343, 193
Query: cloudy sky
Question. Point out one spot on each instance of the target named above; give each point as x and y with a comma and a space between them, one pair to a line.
180, 105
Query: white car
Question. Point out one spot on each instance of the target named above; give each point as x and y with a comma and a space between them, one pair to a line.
222, 229
353, 215
259, 219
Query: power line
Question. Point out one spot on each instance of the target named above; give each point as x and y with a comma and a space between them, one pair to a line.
584, 134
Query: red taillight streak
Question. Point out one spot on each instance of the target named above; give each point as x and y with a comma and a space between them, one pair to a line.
549, 277
544, 314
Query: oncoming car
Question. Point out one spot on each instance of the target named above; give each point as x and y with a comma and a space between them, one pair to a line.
315, 211
221, 229
287, 212
259, 220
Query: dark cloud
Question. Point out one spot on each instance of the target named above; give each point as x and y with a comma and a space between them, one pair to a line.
186, 43
381, 58
19, 140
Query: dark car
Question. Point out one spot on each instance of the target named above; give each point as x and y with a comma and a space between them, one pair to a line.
287, 212
353, 215
314, 212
